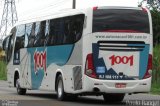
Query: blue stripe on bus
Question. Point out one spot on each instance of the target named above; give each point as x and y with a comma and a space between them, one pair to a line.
58, 55
143, 59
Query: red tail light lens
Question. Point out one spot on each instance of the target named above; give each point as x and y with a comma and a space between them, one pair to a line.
149, 67
144, 10
95, 8
150, 62
89, 70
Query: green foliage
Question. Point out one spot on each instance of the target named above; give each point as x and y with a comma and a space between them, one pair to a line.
155, 88
156, 26
156, 64
3, 73
156, 70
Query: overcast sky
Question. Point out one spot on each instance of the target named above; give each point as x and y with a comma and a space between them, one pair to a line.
30, 7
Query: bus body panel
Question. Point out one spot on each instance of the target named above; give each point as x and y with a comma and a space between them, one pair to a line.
40, 65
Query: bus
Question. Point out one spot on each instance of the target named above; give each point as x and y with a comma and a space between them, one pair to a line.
95, 51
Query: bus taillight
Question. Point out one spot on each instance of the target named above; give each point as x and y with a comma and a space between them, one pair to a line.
149, 67
144, 10
89, 69
95, 8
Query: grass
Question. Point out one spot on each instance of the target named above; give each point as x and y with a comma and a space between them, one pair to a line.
3, 73
155, 89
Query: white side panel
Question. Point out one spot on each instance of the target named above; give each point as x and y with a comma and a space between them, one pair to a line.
25, 69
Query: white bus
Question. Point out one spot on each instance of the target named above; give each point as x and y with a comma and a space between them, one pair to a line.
97, 51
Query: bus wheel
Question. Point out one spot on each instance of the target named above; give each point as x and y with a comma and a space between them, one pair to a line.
113, 97
20, 91
60, 89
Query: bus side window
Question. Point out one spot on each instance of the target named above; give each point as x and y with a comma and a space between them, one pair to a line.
52, 33
35, 36
42, 31
47, 29
69, 30
20, 41
72, 30
9, 45
28, 28
31, 34
56, 33
5, 43
40, 36
79, 26
66, 30
61, 31
20, 38
76, 28
10, 48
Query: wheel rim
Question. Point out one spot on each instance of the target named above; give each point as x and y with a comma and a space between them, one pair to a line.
60, 88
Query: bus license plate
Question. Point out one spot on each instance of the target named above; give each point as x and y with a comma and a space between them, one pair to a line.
120, 85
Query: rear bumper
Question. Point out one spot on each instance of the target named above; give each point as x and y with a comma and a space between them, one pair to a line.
108, 86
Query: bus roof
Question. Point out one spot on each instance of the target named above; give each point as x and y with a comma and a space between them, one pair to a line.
40, 16
44, 15
118, 7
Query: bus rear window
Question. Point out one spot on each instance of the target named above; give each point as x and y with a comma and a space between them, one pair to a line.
124, 20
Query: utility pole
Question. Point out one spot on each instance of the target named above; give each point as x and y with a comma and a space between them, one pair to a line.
9, 17
74, 4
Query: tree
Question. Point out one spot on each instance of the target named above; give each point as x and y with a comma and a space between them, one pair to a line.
154, 6
156, 26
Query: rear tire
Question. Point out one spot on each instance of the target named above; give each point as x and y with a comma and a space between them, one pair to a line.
20, 91
61, 95
110, 98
